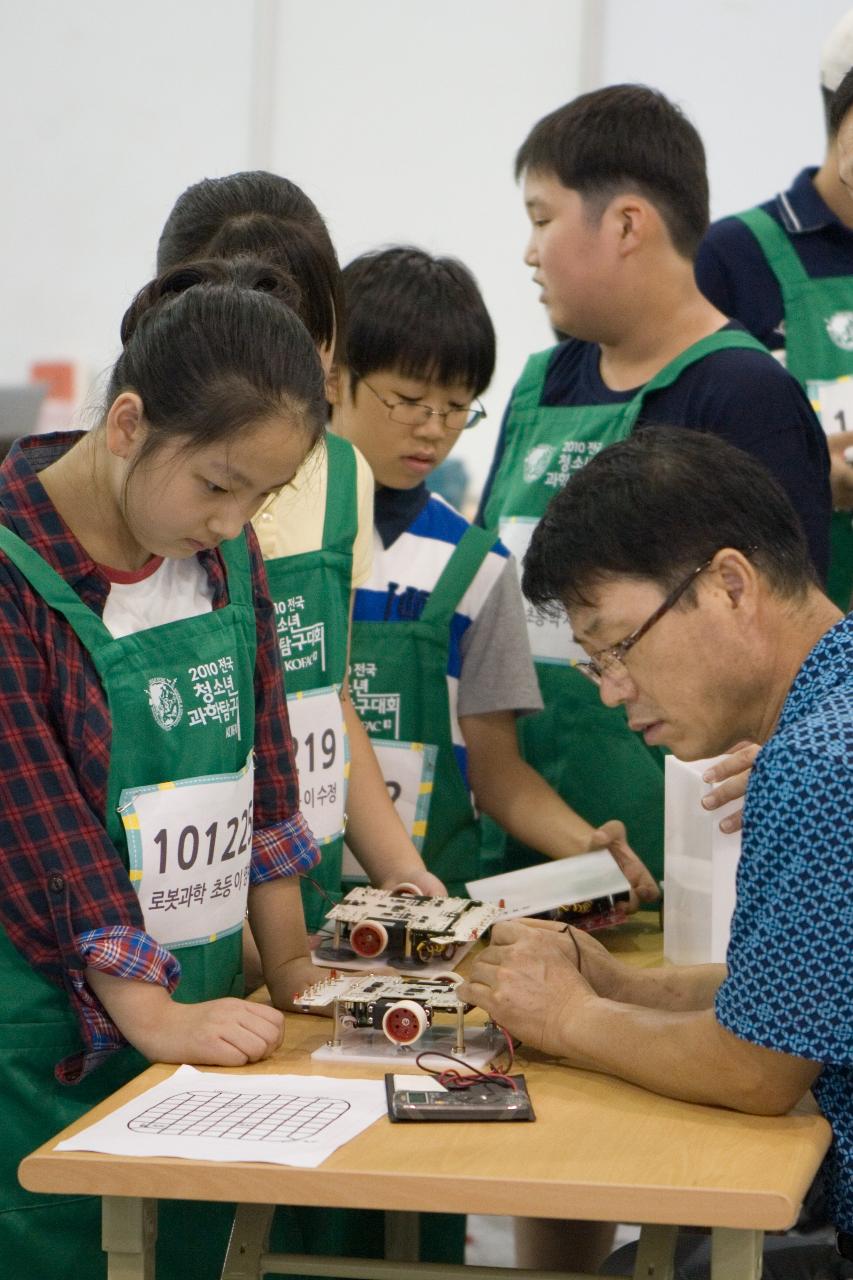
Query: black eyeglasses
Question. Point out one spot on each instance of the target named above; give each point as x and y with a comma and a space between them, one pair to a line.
610, 661
411, 413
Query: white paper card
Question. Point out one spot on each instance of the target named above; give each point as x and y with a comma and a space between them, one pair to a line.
199, 1115
700, 868
557, 883
551, 638
832, 401
320, 739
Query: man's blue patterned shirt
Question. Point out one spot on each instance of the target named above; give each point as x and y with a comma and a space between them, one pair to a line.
790, 958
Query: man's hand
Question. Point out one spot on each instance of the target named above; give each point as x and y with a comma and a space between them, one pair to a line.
527, 981
731, 774
612, 836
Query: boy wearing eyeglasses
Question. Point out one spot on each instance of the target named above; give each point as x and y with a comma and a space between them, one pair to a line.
440, 666
617, 196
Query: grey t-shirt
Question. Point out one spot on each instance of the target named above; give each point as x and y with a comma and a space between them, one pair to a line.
497, 669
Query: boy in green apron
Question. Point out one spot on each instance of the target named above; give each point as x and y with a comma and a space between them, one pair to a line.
616, 192
317, 540
440, 666
785, 271
150, 794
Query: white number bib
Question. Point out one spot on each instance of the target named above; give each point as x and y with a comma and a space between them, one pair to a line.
322, 758
190, 848
408, 769
551, 638
832, 401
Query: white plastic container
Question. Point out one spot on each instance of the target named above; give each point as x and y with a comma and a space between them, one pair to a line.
700, 867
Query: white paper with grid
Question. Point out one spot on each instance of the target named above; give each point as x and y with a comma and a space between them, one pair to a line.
199, 1115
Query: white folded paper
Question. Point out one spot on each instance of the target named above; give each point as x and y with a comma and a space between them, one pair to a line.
558, 883
700, 868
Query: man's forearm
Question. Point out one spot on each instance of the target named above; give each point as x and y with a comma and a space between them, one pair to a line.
674, 988
685, 1055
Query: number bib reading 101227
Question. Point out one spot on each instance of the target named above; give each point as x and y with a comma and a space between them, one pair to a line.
190, 849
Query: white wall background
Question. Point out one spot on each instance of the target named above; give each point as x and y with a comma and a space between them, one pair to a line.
745, 71
400, 120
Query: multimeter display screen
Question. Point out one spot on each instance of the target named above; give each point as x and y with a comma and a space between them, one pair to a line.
483, 1101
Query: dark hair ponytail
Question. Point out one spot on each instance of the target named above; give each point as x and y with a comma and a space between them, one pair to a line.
266, 217
215, 347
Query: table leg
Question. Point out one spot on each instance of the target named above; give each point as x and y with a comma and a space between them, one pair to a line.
128, 1237
402, 1236
248, 1242
655, 1258
736, 1255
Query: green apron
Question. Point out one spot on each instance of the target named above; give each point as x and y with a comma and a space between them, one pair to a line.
311, 594
819, 354
582, 748
398, 684
179, 811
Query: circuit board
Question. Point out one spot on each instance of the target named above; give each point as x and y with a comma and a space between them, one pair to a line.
439, 992
453, 920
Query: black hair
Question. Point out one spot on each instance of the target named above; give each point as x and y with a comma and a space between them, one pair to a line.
826, 96
214, 347
626, 136
265, 216
840, 103
420, 315
656, 506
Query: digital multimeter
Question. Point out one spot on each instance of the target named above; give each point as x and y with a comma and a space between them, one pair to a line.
485, 1100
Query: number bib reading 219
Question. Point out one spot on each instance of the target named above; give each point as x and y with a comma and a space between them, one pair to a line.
319, 735
190, 848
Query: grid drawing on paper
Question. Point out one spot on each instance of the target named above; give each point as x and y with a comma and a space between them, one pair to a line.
268, 1117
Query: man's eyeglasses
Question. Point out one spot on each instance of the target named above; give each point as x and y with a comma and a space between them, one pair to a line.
610, 661
412, 413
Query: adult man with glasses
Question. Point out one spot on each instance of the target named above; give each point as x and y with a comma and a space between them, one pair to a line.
687, 580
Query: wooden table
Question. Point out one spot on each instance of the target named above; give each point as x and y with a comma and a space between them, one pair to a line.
600, 1149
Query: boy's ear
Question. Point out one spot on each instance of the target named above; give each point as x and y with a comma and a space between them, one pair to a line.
333, 384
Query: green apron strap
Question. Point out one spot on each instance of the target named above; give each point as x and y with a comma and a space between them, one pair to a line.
238, 569
55, 591
722, 340
341, 522
527, 392
782, 257
459, 573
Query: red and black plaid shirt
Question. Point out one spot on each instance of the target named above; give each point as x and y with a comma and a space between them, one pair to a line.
66, 900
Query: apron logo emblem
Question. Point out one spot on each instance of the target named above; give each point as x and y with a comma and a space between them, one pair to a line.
536, 462
165, 702
839, 327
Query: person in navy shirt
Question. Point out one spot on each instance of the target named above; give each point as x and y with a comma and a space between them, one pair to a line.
703, 619
616, 190
785, 271
815, 212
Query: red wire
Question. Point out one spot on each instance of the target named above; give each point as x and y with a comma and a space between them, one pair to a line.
452, 1077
